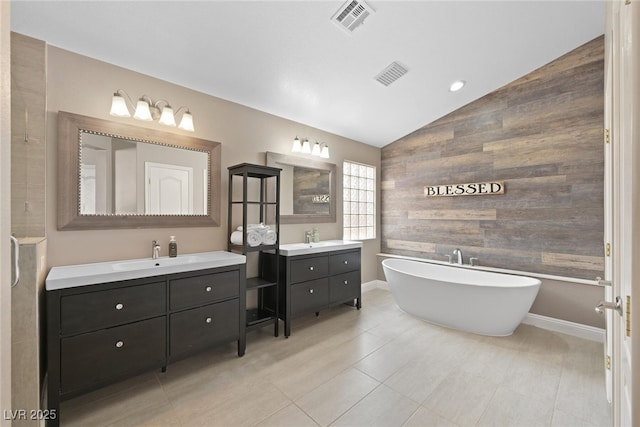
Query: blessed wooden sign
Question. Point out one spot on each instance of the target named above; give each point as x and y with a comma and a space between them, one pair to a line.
473, 189
320, 198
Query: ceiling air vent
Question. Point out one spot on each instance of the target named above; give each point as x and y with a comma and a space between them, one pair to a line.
390, 74
351, 15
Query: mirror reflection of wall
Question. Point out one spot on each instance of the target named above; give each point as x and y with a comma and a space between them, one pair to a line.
311, 189
307, 189
124, 177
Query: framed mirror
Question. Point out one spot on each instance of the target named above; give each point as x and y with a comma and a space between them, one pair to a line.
307, 189
113, 175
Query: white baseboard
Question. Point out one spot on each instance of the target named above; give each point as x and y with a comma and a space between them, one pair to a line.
565, 327
375, 284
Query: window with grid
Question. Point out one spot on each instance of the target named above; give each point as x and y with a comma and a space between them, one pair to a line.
359, 201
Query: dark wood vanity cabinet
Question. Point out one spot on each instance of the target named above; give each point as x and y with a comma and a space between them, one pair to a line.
310, 283
99, 334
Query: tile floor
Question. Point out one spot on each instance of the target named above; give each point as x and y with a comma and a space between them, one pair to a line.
377, 366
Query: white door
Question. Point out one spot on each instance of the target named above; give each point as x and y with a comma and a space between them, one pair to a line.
168, 189
622, 159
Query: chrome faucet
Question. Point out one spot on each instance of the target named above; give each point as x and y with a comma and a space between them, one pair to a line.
155, 250
458, 253
307, 237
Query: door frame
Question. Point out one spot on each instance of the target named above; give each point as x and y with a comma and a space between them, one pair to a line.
622, 105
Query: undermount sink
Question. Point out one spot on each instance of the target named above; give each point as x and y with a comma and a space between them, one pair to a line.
310, 245
155, 263
101, 272
292, 249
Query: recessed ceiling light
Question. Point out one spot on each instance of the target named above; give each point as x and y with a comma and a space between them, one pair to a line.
456, 86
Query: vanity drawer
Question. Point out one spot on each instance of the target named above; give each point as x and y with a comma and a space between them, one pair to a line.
199, 290
95, 310
109, 353
309, 296
343, 262
344, 286
309, 268
201, 327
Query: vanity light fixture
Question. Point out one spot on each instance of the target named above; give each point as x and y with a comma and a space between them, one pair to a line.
146, 109
297, 145
316, 149
457, 85
325, 152
304, 147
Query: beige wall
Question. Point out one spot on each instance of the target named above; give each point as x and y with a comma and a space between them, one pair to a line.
82, 85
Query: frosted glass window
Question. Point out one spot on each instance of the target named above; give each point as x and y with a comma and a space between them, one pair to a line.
359, 201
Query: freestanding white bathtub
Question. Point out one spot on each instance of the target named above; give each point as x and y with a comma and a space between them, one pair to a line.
466, 299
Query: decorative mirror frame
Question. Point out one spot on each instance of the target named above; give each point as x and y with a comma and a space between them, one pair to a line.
69, 218
276, 159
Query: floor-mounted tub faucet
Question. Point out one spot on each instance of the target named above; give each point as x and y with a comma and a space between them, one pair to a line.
458, 253
155, 250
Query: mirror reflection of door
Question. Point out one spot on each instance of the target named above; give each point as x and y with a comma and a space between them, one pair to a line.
88, 193
168, 189
113, 179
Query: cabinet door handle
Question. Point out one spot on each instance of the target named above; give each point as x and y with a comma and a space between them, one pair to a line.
346, 262
209, 320
208, 289
120, 344
310, 291
346, 282
311, 268
119, 306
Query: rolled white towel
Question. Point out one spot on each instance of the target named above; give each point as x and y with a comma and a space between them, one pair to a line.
270, 237
236, 237
260, 228
253, 238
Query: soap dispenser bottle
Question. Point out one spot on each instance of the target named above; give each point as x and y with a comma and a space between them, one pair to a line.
173, 247
316, 235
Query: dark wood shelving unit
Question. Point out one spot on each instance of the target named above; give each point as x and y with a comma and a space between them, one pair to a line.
266, 283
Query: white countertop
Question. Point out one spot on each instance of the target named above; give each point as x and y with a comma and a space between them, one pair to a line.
293, 249
71, 276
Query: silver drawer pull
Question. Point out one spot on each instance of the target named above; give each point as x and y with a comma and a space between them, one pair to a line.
346, 262
119, 344
346, 282
208, 289
311, 268
119, 306
310, 291
209, 320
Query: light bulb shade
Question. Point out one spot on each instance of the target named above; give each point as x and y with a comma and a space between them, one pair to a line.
306, 147
297, 145
167, 118
119, 106
325, 152
142, 111
316, 149
187, 122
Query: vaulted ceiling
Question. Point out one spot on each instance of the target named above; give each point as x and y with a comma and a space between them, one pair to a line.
289, 58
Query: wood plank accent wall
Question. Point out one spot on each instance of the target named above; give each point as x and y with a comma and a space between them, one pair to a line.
543, 136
